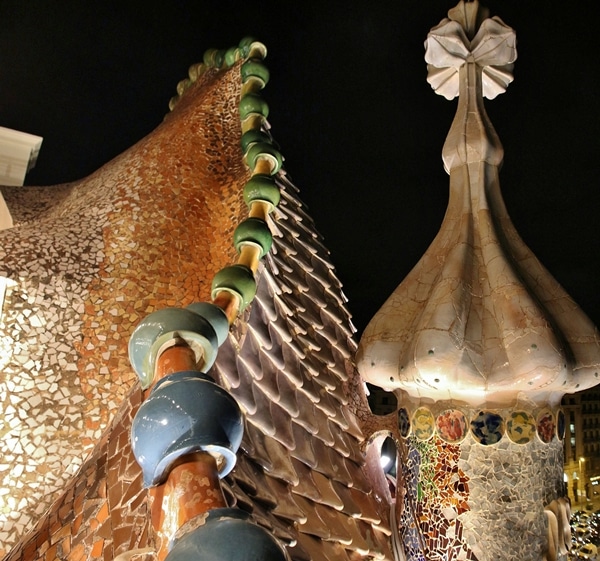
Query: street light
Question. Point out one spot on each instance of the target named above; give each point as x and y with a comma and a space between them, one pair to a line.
582, 476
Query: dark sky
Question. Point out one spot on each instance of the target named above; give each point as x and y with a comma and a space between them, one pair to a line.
360, 128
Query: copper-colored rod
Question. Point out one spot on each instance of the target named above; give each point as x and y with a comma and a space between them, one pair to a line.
192, 486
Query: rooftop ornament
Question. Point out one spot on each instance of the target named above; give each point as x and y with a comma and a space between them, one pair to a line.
185, 436
479, 341
478, 321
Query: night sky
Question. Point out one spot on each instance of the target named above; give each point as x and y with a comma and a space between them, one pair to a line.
360, 128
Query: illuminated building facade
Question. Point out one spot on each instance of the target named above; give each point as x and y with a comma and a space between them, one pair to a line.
188, 267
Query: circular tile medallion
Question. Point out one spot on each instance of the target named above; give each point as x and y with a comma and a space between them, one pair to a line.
423, 423
520, 427
560, 424
451, 425
487, 427
403, 422
546, 426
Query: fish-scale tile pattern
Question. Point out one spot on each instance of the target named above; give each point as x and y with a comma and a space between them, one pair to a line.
148, 231
290, 378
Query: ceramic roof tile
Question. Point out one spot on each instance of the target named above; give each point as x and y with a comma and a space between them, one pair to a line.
268, 384
242, 499
283, 426
313, 300
381, 543
314, 524
308, 419
270, 275
272, 359
351, 508
291, 304
298, 553
322, 550
225, 369
307, 487
261, 516
292, 352
311, 320
309, 388
327, 403
337, 368
292, 355
284, 532
279, 331
317, 283
311, 304
303, 255
330, 463
244, 474
243, 396
267, 496
265, 300
322, 350
326, 491
247, 446
285, 505
281, 461
304, 450
312, 546
340, 420
260, 333
341, 351
324, 270
357, 477
336, 523
282, 250
359, 543
308, 344
352, 427
367, 506
256, 440
347, 446
330, 317
325, 433
322, 376
287, 395
261, 416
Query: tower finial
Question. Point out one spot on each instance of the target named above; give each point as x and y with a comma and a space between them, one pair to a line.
470, 15
478, 320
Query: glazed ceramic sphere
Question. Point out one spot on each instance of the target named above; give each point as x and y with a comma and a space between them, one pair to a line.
186, 412
228, 534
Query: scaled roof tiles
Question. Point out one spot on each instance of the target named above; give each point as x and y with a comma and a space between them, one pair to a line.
87, 261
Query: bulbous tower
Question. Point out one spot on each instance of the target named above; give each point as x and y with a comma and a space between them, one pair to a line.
479, 341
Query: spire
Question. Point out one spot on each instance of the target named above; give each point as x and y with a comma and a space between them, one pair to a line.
479, 320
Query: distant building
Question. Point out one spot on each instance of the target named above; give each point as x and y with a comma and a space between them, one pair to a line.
18, 154
582, 445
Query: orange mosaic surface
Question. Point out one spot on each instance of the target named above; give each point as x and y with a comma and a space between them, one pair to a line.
103, 511
87, 261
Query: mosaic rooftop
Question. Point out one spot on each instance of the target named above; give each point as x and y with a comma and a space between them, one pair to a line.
87, 261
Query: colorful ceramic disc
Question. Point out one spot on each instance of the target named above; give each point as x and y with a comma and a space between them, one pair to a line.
403, 422
451, 425
560, 424
545, 426
487, 427
423, 423
520, 427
